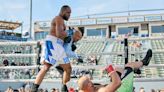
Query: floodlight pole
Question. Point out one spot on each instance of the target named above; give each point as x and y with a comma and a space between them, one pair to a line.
30, 19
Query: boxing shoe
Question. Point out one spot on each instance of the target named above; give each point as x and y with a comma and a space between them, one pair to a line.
147, 58
64, 88
35, 88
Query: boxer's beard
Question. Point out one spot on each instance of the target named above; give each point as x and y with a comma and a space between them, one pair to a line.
65, 17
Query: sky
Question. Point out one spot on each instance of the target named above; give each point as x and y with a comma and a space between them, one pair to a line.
46, 10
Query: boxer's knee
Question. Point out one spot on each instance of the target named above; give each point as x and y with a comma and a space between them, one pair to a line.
46, 66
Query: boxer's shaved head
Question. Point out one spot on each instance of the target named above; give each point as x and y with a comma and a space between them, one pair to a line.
85, 84
82, 82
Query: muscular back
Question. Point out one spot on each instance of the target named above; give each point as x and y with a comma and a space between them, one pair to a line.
58, 28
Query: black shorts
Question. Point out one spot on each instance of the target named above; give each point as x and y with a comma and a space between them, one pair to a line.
127, 71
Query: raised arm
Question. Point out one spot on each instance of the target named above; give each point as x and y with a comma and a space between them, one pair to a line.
116, 81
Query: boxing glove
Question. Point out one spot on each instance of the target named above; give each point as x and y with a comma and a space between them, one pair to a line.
70, 32
69, 36
67, 39
109, 69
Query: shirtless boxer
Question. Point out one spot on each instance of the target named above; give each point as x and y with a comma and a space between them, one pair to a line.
53, 52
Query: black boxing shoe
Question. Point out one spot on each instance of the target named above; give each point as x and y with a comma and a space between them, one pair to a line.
137, 71
35, 88
147, 58
64, 88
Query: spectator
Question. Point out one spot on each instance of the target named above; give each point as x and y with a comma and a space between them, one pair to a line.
27, 87
142, 89
9, 89
136, 44
5, 62
71, 90
45, 90
93, 60
162, 90
53, 90
13, 63
27, 73
6, 74
152, 90
134, 89
21, 89
16, 90
12, 74
40, 90
57, 90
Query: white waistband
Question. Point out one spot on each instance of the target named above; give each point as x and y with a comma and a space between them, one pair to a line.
53, 38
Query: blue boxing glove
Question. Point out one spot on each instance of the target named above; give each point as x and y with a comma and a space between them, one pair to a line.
69, 35
70, 32
68, 41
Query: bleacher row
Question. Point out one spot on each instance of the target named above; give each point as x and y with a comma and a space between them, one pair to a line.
17, 60
16, 74
158, 58
17, 49
93, 47
14, 49
97, 47
157, 44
